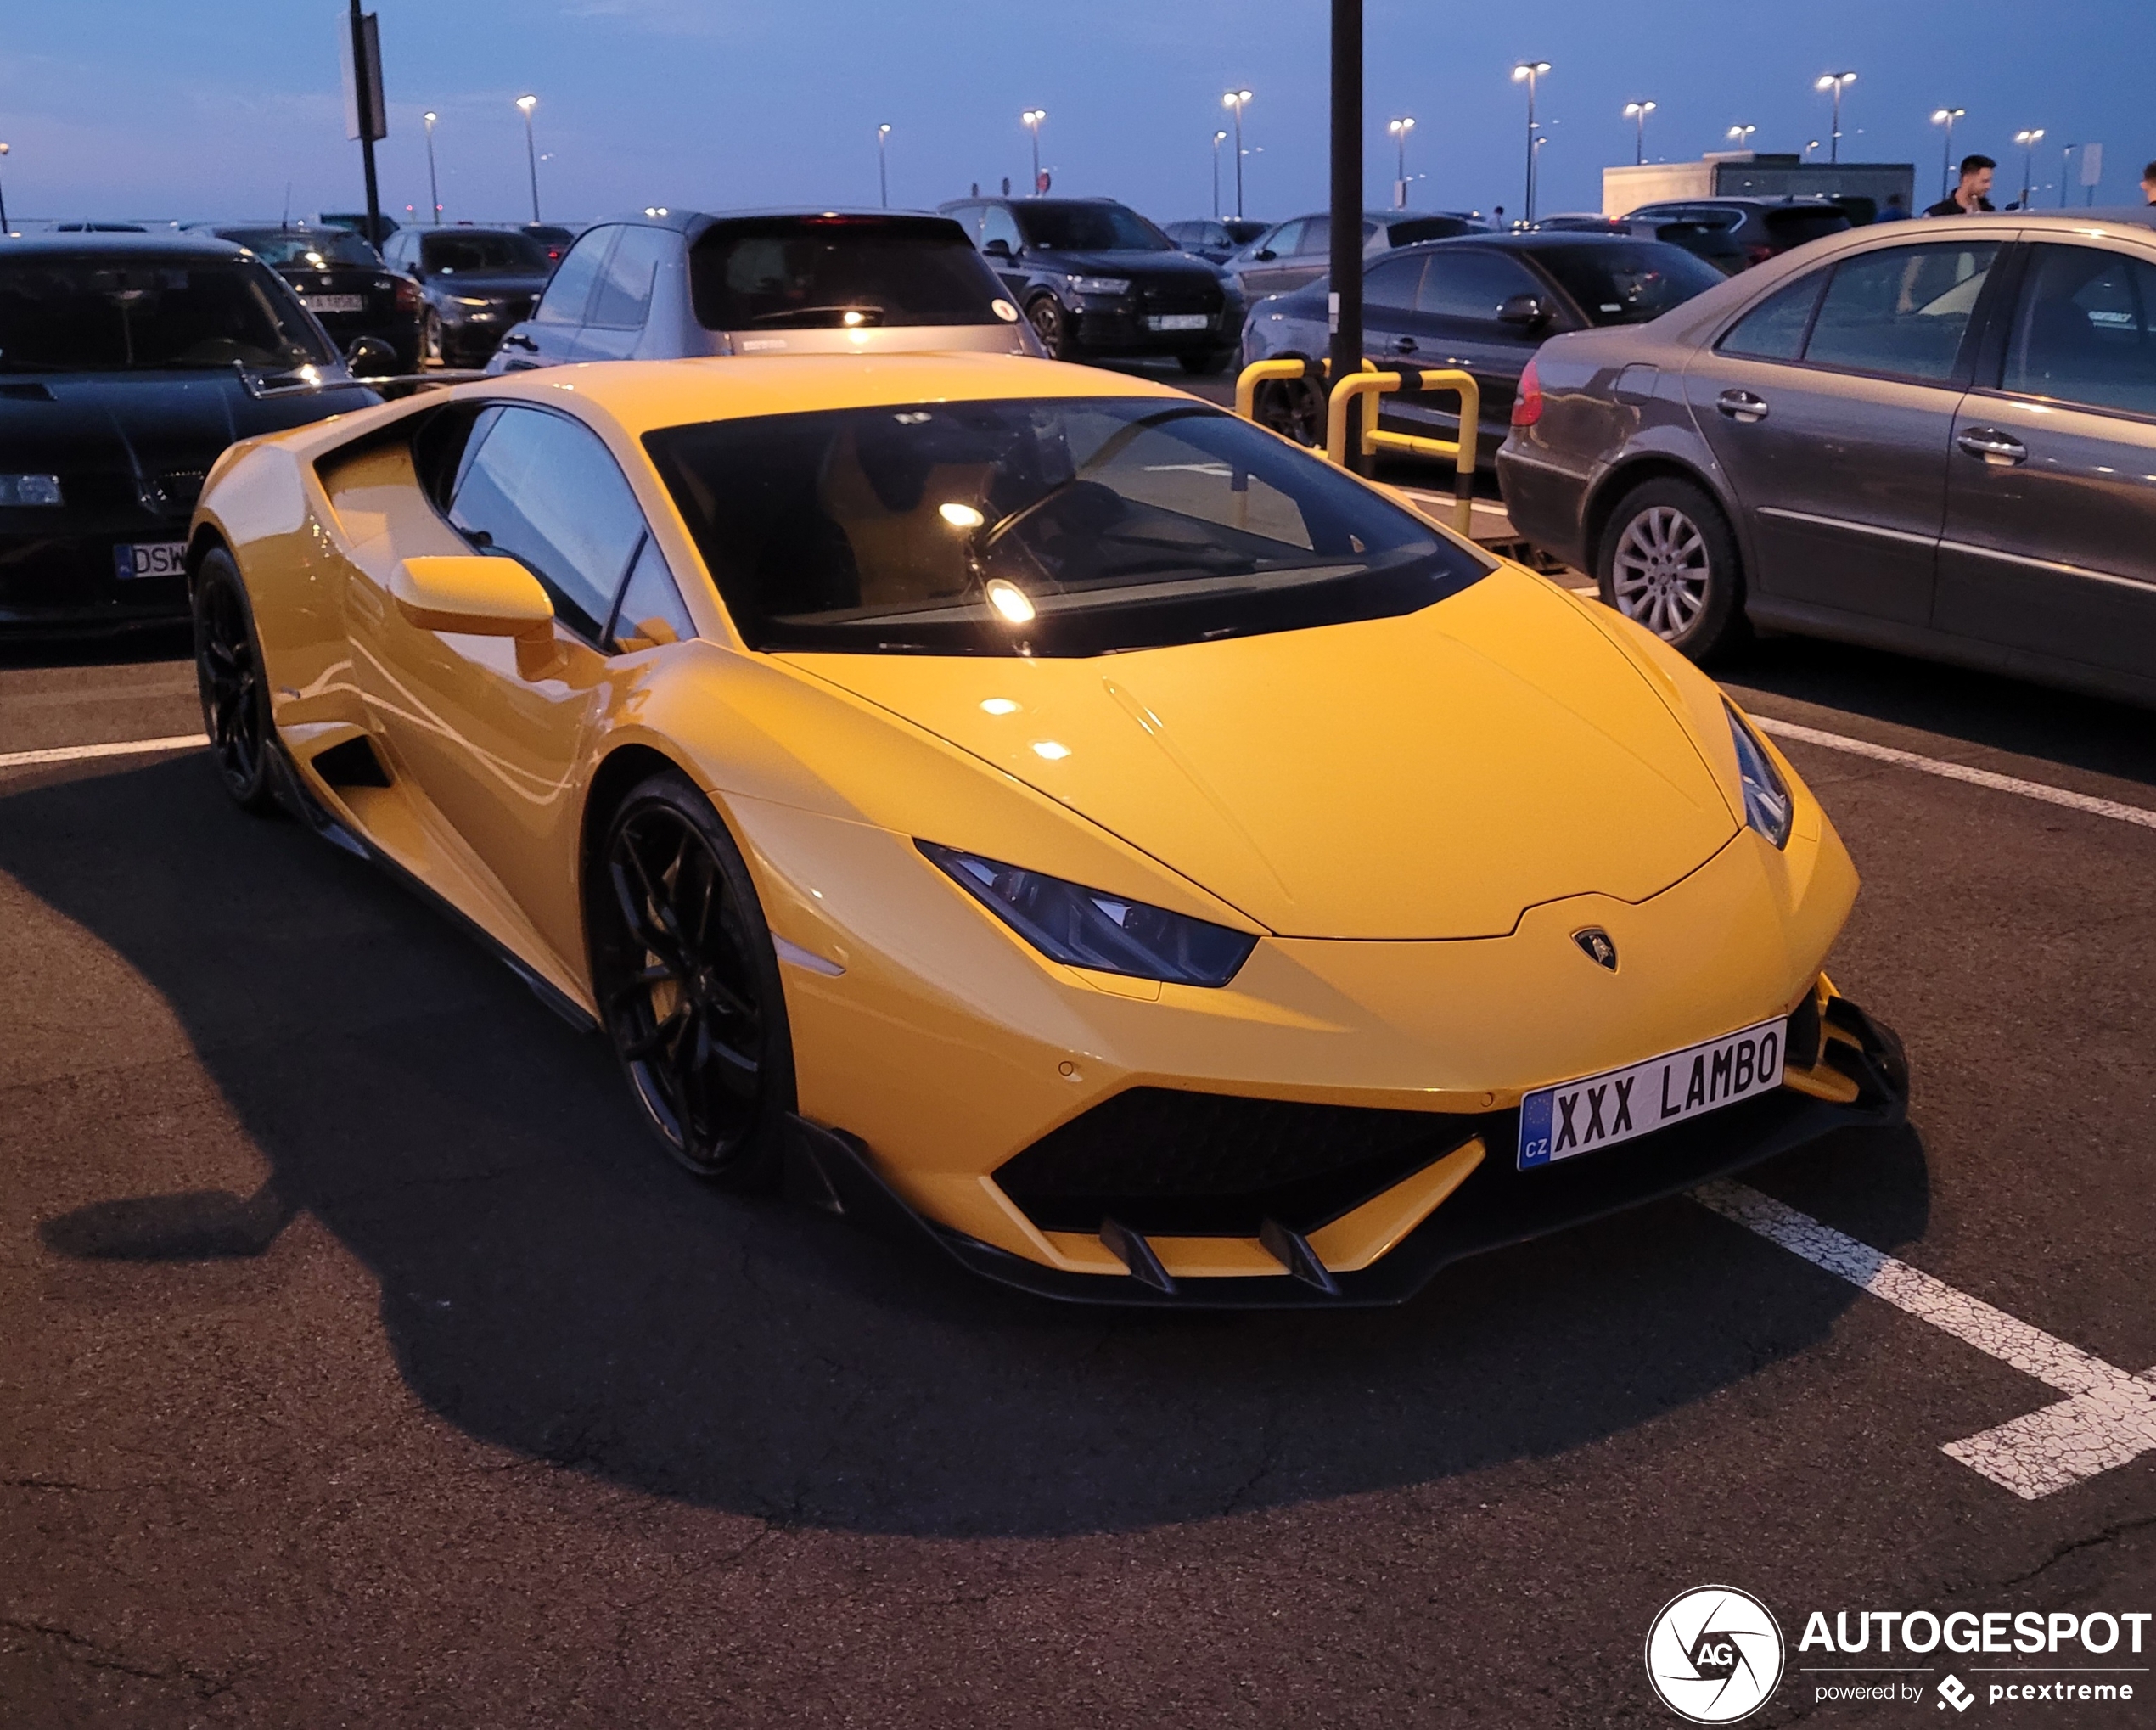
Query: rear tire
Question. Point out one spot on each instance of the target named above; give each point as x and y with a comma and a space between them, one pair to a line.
1053, 326
1667, 559
228, 672
688, 985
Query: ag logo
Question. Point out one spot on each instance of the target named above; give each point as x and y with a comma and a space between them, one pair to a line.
1713, 1654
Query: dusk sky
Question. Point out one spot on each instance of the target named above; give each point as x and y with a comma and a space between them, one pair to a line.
126, 107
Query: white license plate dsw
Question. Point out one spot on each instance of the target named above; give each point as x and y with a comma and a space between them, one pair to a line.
333, 303
1179, 321
149, 559
1599, 1111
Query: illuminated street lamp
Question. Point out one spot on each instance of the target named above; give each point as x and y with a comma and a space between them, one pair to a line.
434, 189
1837, 82
1743, 134
1637, 112
530, 150
2027, 141
1812, 145
1236, 99
1219, 138
1032, 119
1400, 130
1528, 72
1945, 117
882, 169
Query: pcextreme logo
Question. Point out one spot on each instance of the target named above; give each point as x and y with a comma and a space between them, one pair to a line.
1713, 1654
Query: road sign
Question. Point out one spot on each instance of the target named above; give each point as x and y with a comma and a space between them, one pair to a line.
365, 116
2092, 163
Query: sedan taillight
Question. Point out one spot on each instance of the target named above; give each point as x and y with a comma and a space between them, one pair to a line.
1756, 254
1527, 405
407, 294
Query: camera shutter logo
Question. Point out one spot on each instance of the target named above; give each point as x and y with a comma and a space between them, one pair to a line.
1713, 1654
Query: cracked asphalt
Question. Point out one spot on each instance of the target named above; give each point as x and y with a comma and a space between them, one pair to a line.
361, 1366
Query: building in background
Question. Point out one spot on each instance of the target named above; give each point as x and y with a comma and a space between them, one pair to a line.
1863, 188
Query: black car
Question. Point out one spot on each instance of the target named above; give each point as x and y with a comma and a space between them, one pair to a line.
1093, 277
1482, 305
341, 279
474, 283
1214, 239
1736, 234
555, 237
127, 363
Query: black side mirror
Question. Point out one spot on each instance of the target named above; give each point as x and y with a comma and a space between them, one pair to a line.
370, 357
1522, 311
1267, 254
998, 248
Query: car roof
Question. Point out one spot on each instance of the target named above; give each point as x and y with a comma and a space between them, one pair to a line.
643, 395
187, 244
693, 223
1534, 240
1807, 200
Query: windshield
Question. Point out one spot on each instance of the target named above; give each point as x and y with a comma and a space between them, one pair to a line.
470, 251
109, 314
798, 275
1088, 227
317, 248
1048, 528
1627, 282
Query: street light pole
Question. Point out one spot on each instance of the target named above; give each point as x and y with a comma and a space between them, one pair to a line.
1400, 130
2029, 142
1945, 117
1345, 274
434, 189
530, 150
4, 202
1809, 147
1529, 71
1235, 99
2065, 156
1837, 82
1032, 119
1638, 112
1219, 138
882, 166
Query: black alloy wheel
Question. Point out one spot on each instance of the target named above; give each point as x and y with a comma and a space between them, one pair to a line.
688, 984
1052, 326
1293, 407
228, 669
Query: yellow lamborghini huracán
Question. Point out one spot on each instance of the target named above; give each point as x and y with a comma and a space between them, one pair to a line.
1041, 808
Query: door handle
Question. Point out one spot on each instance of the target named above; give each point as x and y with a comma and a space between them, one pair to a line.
1742, 406
1404, 345
1993, 446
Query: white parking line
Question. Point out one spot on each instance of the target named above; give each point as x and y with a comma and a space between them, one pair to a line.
1959, 771
2110, 1418
79, 753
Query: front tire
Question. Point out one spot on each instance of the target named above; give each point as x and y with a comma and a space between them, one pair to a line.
430, 350
228, 672
1206, 362
688, 986
1053, 326
1291, 407
1668, 560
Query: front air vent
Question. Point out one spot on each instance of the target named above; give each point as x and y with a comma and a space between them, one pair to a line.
355, 763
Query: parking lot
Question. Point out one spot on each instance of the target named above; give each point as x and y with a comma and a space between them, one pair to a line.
363, 1364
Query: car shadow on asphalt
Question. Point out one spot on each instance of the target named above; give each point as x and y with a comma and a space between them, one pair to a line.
551, 1284
148, 642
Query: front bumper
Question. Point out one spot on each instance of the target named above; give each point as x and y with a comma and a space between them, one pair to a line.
67, 582
1859, 1081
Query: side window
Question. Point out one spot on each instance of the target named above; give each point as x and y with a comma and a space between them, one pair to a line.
1901, 310
2085, 330
1282, 241
1390, 286
967, 216
542, 489
571, 288
624, 299
997, 224
1473, 285
1315, 237
1774, 330
651, 611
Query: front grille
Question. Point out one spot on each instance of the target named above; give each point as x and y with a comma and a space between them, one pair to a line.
1163, 1161
173, 493
1177, 298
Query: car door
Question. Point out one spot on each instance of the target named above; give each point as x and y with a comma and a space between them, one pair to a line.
1312, 256
613, 323
1274, 261
2050, 541
494, 733
555, 331
1469, 315
999, 226
1830, 404
1388, 322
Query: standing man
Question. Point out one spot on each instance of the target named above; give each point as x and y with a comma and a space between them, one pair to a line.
1969, 198
2148, 183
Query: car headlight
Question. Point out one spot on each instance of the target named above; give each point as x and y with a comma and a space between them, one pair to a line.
1089, 928
1768, 806
30, 489
1099, 285
471, 300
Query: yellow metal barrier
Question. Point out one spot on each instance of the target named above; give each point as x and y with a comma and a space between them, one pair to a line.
1248, 380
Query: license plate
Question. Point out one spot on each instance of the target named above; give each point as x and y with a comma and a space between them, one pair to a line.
1599, 1111
333, 303
1178, 321
149, 559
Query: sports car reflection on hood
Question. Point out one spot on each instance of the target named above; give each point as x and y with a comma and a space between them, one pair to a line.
1035, 806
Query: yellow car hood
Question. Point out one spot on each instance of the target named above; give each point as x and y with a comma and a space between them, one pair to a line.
1424, 777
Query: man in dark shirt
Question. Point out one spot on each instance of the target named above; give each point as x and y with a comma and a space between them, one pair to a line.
1967, 198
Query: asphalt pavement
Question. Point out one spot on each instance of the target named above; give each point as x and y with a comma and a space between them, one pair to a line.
363, 1366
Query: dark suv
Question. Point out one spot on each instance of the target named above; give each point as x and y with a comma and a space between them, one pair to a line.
1736, 234
475, 283
1094, 277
